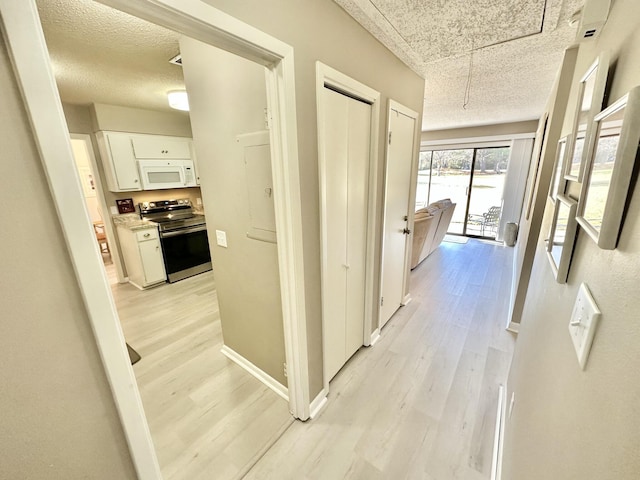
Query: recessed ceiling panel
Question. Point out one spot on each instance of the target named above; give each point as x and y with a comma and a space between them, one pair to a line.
484, 61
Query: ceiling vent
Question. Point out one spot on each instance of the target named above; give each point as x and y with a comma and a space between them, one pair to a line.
594, 17
177, 60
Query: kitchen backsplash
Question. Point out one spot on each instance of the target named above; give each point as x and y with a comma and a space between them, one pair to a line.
192, 194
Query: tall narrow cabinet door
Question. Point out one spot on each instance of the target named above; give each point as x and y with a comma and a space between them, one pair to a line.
336, 166
346, 138
396, 210
357, 203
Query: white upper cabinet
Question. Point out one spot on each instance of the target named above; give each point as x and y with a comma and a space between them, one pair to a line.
120, 152
119, 163
160, 147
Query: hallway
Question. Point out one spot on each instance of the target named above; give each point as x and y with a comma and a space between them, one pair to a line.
421, 403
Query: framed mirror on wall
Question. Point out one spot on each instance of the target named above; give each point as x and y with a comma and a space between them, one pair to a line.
589, 102
536, 158
558, 182
562, 237
608, 172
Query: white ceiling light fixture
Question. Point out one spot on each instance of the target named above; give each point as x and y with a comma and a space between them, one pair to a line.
178, 99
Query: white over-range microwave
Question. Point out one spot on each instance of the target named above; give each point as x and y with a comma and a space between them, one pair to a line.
158, 174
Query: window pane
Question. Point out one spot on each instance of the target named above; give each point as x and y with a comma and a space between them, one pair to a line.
424, 179
486, 191
450, 174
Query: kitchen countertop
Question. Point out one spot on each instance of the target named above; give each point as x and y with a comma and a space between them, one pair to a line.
132, 221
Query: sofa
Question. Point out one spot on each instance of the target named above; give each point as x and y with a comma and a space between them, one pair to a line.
429, 228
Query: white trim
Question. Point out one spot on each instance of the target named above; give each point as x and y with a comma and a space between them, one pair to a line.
26, 45
318, 404
375, 336
261, 375
326, 75
514, 283
513, 327
106, 212
498, 441
398, 107
486, 141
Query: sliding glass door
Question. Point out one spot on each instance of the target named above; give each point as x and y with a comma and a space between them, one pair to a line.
473, 178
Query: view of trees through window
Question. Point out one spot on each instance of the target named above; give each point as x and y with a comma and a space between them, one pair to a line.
473, 178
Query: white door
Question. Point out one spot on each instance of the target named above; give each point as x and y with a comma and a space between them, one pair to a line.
347, 128
400, 157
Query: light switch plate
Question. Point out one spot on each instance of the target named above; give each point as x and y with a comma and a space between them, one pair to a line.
114, 210
583, 323
221, 238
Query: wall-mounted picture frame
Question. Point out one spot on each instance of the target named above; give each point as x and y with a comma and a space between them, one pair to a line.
589, 101
562, 236
125, 205
608, 172
532, 176
558, 182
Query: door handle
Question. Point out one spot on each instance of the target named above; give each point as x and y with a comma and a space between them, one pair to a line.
406, 231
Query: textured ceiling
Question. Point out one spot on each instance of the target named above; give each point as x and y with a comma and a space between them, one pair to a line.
101, 55
484, 61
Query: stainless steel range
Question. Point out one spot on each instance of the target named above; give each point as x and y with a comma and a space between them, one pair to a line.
183, 236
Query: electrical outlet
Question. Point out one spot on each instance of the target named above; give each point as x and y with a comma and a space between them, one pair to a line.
221, 238
198, 201
583, 323
285, 370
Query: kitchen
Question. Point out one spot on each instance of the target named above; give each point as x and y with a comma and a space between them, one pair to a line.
167, 323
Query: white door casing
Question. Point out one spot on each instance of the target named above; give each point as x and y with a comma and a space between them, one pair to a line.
25, 42
400, 159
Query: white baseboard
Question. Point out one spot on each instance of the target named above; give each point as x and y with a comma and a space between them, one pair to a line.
318, 404
496, 464
264, 377
406, 300
513, 327
375, 336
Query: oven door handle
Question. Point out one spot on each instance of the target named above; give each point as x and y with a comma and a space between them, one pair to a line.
185, 231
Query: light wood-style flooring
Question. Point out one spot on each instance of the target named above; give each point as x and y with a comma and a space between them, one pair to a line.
209, 419
421, 403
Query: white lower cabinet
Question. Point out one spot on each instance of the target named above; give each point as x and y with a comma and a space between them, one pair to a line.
142, 256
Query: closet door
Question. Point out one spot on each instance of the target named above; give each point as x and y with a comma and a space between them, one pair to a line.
346, 160
357, 208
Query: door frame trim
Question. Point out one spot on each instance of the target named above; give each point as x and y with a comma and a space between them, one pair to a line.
393, 105
25, 42
325, 75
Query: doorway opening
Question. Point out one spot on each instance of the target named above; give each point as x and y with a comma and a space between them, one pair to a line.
30, 59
